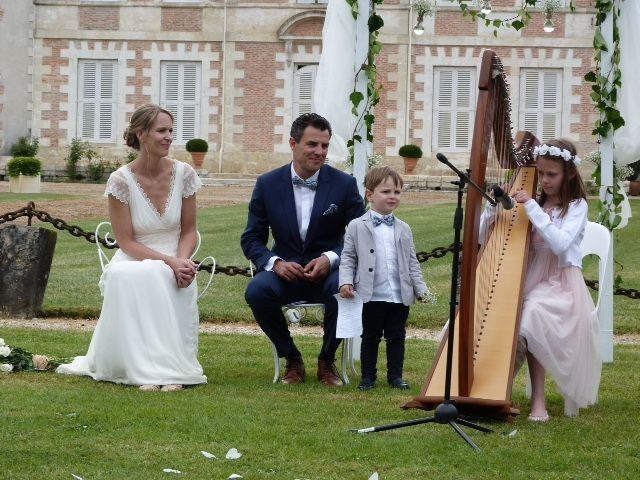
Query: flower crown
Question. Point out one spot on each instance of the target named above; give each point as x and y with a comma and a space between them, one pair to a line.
552, 151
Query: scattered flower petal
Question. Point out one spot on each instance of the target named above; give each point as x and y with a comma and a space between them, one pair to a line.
514, 433
234, 475
207, 454
233, 454
170, 470
374, 476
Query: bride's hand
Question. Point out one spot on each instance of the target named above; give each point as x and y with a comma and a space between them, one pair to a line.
184, 270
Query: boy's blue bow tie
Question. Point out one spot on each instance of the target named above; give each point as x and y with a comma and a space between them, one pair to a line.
312, 184
388, 220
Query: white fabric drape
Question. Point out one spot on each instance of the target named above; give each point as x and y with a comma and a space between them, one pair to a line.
335, 78
627, 138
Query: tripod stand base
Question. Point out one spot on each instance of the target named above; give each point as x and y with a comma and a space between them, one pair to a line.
446, 413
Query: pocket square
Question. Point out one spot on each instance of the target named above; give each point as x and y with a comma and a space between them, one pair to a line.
333, 208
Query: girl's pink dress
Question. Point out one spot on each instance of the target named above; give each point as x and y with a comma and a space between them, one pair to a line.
560, 325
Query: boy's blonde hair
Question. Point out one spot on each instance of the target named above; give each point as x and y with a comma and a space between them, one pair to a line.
377, 175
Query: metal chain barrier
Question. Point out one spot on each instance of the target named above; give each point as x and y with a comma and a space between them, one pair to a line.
30, 211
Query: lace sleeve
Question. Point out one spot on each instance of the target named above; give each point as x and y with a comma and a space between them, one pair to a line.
117, 187
191, 181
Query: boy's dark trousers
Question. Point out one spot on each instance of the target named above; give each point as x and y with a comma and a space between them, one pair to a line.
386, 318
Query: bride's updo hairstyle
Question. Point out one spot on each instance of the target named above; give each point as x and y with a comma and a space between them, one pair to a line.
141, 121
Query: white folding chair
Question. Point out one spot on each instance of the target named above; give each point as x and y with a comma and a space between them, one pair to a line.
105, 257
296, 312
596, 241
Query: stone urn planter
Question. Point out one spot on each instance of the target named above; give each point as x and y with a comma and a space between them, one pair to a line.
198, 148
24, 184
634, 188
25, 262
24, 175
410, 153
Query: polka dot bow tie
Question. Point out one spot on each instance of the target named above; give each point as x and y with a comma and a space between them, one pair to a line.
387, 220
311, 184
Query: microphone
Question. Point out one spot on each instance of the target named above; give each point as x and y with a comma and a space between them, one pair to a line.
442, 158
505, 200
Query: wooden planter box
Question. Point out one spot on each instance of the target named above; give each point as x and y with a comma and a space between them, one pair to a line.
24, 184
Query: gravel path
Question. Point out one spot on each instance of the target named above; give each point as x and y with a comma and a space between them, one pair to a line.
87, 325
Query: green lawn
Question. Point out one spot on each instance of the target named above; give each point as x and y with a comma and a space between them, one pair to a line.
73, 291
54, 426
35, 197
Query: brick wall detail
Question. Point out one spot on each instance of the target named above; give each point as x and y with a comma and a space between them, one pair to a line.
175, 19
54, 87
257, 101
453, 23
386, 111
138, 82
311, 27
98, 18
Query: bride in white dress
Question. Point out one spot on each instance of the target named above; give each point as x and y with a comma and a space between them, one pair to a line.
147, 334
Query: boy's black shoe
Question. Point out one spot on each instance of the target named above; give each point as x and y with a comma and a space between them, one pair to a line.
366, 384
399, 383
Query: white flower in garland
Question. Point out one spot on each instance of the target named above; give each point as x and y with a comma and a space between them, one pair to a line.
6, 367
553, 151
5, 351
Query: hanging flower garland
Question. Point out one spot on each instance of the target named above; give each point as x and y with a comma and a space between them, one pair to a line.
375, 23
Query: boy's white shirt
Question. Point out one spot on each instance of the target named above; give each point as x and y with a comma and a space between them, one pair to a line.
386, 278
562, 234
358, 256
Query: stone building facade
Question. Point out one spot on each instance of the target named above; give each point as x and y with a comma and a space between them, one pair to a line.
238, 72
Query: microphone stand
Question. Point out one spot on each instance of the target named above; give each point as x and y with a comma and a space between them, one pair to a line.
447, 412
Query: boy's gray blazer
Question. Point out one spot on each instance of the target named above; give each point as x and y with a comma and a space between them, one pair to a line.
358, 260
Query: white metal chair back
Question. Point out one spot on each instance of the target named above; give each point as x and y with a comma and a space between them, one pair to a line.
596, 242
105, 257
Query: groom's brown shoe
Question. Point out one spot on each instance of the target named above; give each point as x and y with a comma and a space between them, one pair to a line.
294, 371
328, 374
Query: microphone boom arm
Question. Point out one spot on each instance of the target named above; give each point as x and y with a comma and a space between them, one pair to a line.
465, 177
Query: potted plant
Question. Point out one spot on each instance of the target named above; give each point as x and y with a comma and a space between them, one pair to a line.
410, 153
24, 174
198, 148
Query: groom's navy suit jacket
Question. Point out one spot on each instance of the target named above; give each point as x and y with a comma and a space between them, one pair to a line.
272, 206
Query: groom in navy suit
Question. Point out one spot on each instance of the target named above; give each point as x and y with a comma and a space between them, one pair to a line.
306, 205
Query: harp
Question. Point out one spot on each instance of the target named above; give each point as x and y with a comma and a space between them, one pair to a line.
491, 283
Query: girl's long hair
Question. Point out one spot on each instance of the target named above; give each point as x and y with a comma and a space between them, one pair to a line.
572, 185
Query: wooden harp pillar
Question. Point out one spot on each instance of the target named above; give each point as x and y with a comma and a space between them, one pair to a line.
492, 278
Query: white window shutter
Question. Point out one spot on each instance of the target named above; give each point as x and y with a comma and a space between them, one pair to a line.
454, 108
97, 100
180, 94
463, 114
540, 102
304, 81
106, 124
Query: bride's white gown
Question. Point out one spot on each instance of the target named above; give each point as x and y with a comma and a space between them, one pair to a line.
147, 333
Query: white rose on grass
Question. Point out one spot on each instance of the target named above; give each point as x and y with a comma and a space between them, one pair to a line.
2, 344
6, 367
5, 351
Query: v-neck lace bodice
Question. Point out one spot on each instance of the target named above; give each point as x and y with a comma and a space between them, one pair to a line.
146, 197
158, 231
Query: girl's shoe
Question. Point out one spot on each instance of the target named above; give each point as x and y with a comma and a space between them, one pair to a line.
170, 388
539, 418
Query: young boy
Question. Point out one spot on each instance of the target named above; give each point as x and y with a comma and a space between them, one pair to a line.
379, 262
